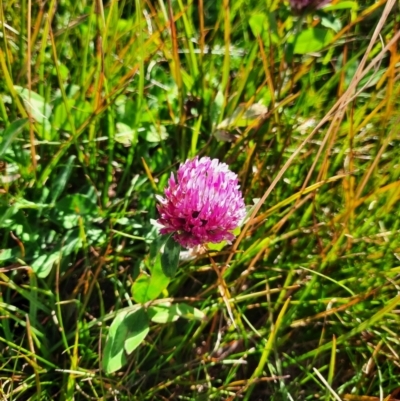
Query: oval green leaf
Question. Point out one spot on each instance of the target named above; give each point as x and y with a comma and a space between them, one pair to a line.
311, 40
138, 326
170, 257
114, 356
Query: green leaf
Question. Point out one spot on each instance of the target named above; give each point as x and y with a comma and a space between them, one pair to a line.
166, 313
81, 112
64, 72
10, 133
170, 257
154, 134
9, 254
126, 135
114, 356
158, 277
342, 5
156, 245
189, 312
6, 214
127, 331
43, 264
71, 242
332, 23
311, 40
217, 106
95, 236
216, 247
257, 22
146, 288
142, 291
62, 179
35, 104
138, 327
72, 207
60, 118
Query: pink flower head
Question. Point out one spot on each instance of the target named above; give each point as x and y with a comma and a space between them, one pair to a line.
301, 5
204, 204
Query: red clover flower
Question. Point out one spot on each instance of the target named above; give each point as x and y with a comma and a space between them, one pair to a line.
301, 5
203, 204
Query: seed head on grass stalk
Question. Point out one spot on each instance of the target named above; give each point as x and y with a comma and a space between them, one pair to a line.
203, 204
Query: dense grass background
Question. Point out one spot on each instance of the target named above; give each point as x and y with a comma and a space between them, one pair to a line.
100, 101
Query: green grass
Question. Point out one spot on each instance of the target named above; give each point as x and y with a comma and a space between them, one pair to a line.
101, 101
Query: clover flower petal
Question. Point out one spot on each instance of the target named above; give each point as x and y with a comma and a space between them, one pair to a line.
202, 204
300, 5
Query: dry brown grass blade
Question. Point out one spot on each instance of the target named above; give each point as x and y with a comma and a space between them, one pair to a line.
224, 291
356, 300
356, 21
350, 397
338, 107
373, 165
342, 217
349, 96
